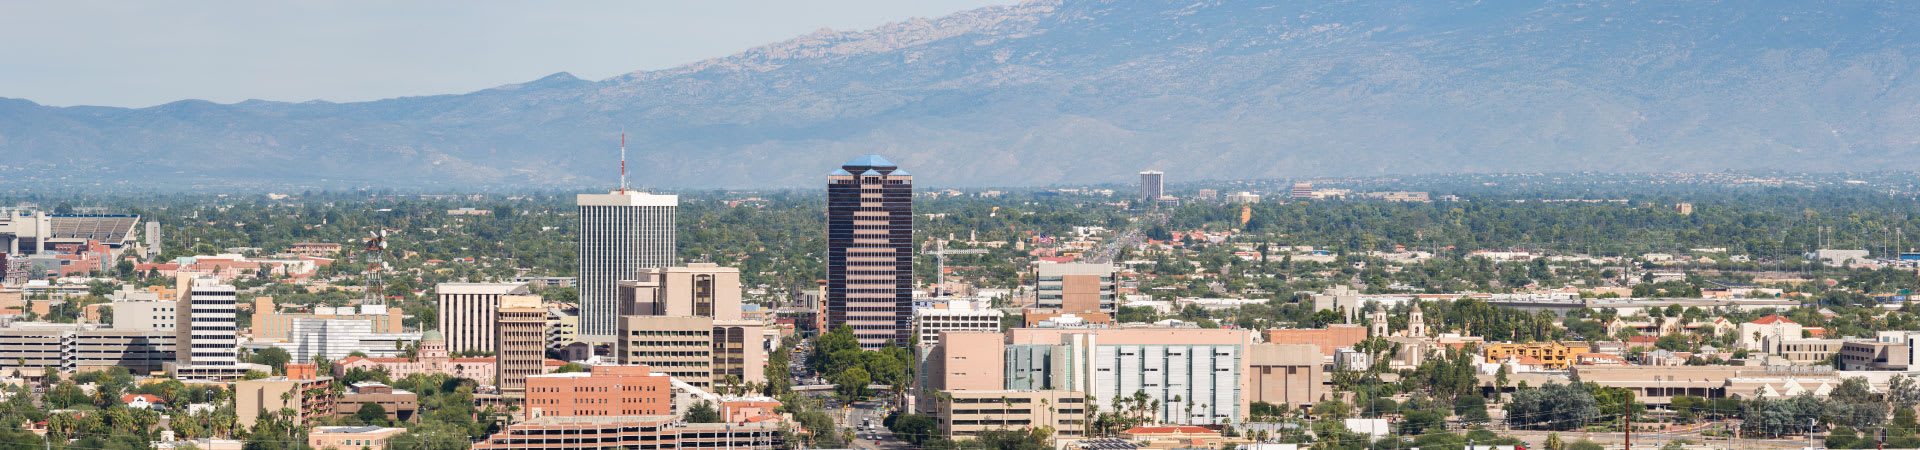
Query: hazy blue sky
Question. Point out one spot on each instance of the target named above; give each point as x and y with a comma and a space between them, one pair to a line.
138, 53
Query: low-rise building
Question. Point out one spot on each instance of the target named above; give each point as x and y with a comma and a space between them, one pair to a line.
600, 391
1551, 355
81, 347
1809, 351
364, 437
301, 390
964, 414
1287, 374
1327, 339
399, 404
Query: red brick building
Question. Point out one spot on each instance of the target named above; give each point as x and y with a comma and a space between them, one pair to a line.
602, 391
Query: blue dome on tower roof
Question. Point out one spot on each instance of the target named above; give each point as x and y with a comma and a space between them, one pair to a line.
870, 161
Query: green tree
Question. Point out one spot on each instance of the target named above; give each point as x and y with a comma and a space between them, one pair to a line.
272, 356
851, 384
371, 413
702, 412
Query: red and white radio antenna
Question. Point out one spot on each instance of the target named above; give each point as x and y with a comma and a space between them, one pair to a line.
623, 163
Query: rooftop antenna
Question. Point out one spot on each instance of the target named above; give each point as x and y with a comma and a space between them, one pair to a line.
623, 163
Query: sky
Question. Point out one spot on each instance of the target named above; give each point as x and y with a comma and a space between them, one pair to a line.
139, 53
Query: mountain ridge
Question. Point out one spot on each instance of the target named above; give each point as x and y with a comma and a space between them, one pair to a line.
1071, 91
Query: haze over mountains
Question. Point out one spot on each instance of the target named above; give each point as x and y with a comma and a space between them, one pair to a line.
1073, 91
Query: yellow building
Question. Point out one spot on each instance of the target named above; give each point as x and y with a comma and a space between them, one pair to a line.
1552, 355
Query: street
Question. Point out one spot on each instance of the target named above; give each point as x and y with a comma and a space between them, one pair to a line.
876, 436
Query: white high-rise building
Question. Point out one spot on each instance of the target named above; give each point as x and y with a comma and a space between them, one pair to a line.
621, 232
208, 340
466, 313
1151, 185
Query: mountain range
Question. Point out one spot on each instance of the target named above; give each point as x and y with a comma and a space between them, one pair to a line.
1092, 91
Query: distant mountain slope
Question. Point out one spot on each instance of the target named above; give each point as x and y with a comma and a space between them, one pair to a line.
1094, 90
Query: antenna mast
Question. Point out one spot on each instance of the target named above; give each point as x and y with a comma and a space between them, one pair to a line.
623, 163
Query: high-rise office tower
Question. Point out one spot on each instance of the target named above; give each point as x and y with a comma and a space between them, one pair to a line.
1150, 187
870, 251
521, 332
207, 343
466, 313
621, 232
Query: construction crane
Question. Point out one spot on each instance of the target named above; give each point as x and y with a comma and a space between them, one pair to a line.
375, 248
940, 253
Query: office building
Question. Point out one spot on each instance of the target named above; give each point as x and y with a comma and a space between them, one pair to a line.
1287, 374
1151, 187
301, 390
699, 351
929, 323
964, 415
621, 232
1077, 288
694, 290
1207, 195
334, 339
1195, 375
870, 251
466, 313
399, 404
521, 332
624, 390
1302, 191
82, 348
145, 315
207, 340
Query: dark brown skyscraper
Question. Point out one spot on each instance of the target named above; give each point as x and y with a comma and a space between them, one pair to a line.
870, 251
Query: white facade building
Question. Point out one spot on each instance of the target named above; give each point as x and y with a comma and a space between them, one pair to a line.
621, 232
466, 313
929, 323
337, 338
207, 340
